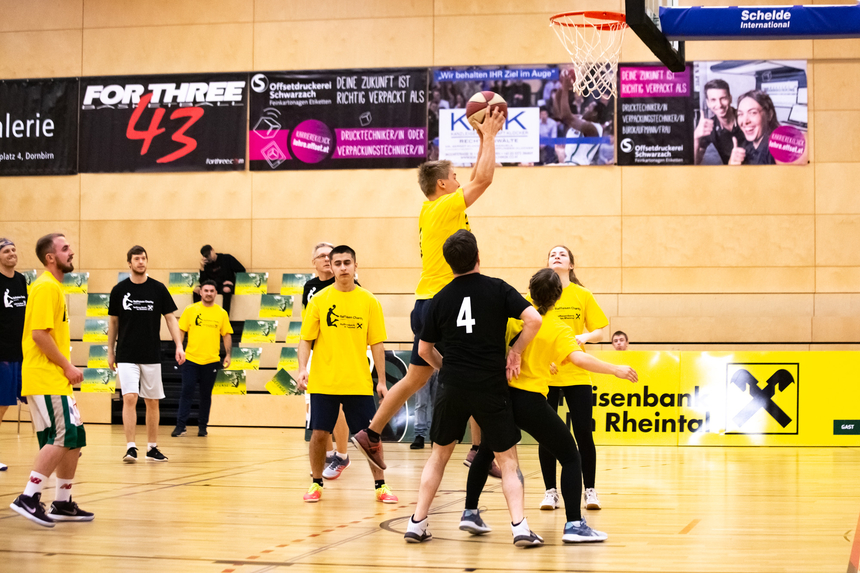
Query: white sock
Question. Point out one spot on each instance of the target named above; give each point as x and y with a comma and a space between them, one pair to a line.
521, 528
35, 484
64, 490
150, 445
341, 456
417, 526
329, 453
130, 445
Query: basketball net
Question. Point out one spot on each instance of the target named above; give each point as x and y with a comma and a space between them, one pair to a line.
593, 41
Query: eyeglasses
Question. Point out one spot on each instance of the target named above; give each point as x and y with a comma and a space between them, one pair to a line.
322, 257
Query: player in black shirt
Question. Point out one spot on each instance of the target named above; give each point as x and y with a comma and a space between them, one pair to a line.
13, 289
135, 309
221, 268
469, 318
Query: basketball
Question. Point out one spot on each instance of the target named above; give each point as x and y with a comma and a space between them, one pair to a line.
479, 104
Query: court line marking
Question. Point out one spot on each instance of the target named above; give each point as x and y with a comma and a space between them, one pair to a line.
690, 527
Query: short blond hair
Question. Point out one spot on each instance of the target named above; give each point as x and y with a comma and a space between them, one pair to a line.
319, 246
430, 172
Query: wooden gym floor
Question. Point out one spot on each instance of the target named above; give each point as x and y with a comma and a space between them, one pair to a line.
232, 503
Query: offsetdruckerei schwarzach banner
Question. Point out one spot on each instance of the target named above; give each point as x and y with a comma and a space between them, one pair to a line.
189, 122
338, 119
38, 127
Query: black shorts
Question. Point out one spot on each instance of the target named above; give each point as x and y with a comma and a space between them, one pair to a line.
325, 408
416, 319
491, 410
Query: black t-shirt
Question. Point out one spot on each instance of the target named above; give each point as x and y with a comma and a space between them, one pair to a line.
223, 269
139, 308
721, 139
314, 286
469, 316
760, 156
12, 311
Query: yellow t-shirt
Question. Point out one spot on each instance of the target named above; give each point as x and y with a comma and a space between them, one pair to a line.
46, 310
205, 327
343, 324
438, 220
553, 343
577, 309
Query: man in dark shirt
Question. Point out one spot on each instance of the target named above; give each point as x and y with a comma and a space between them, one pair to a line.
13, 289
135, 309
719, 131
468, 317
221, 268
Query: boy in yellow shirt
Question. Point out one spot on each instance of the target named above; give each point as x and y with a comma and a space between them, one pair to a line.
47, 377
341, 321
206, 324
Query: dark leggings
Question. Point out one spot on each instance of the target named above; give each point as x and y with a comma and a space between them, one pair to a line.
533, 415
579, 402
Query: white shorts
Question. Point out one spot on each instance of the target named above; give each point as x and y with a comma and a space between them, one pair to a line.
141, 379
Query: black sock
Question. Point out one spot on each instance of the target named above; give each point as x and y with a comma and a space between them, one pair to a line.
374, 437
474, 447
319, 481
379, 483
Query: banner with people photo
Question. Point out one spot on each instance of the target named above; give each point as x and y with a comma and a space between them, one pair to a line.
188, 122
547, 123
714, 113
338, 119
39, 127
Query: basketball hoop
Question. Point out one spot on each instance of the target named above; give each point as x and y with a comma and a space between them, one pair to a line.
593, 41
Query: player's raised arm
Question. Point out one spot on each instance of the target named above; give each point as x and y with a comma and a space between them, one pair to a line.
592, 364
482, 173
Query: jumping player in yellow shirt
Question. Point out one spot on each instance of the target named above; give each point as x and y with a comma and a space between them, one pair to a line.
443, 214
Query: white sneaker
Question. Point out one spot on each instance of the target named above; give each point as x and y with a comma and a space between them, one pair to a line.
2, 467
591, 501
525, 537
550, 500
416, 532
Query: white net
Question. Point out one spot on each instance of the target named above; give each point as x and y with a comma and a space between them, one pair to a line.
593, 41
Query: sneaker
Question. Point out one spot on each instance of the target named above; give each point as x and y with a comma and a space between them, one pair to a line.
130, 456
372, 451
591, 501
202, 433
336, 467
328, 461
32, 508
550, 500
383, 494
154, 455
530, 539
2, 467
417, 443
471, 521
69, 511
314, 493
470, 457
579, 532
177, 431
495, 470
417, 532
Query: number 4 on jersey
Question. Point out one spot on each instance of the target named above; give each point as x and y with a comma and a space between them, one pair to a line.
464, 318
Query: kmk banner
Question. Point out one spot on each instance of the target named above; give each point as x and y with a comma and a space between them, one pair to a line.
189, 122
338, 119
39, 127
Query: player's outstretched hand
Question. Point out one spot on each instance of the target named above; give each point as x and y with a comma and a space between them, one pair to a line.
626, 373
512, 370
492, 124
302, 382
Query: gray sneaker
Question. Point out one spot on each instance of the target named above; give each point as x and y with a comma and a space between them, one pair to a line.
471, 521
335, 467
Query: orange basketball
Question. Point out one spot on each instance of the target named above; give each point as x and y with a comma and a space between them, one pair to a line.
481, 103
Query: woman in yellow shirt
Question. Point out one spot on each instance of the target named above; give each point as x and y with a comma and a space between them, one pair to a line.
554, 343
578, 309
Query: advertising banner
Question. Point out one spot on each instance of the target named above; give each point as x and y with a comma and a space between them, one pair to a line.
182, 283
188, 122
292, 284
95, 330
99, 380
29, 276
97, 304
282, 384
97, 357
257, 331
251, 283
293, 333
76, 283
547, 123
728, 399
230, 382
338, 119
245, 358
39, 127
714, 113
276, 306
289, 359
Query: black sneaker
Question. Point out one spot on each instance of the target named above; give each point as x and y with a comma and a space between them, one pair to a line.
417, 443
130, 456
32, 508
177, 431
202, 432
68, 511
154, 455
